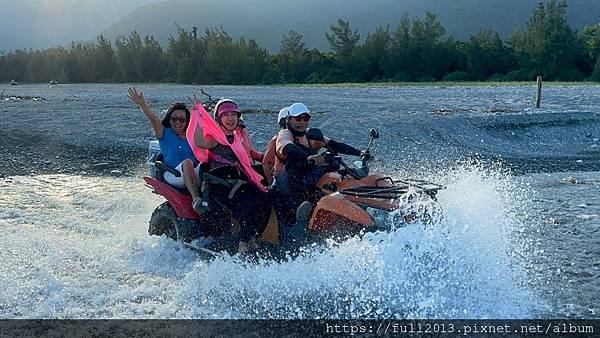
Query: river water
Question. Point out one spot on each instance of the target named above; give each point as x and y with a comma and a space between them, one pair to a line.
518, 236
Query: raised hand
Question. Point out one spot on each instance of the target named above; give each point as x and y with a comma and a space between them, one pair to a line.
136, 97
194, 100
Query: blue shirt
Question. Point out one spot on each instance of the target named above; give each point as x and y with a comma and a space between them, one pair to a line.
175, 149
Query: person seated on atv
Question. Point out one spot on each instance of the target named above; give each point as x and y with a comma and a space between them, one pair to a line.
177, 153
299, 155
221, 146
268, 162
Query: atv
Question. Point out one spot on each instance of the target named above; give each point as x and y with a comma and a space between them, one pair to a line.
351, 201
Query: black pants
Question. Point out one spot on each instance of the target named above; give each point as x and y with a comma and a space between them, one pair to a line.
290, 191
250, 206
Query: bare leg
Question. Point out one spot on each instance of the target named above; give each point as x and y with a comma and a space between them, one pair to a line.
189, 178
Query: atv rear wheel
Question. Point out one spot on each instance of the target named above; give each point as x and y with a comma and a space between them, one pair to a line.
164, 221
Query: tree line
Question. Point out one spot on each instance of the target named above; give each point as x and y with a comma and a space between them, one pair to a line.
416, 50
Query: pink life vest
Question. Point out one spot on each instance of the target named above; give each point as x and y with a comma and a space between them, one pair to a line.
200, 117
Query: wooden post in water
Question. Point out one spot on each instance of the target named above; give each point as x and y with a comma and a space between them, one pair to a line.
538, 97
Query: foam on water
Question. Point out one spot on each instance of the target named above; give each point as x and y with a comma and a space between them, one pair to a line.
77, 247
459, 267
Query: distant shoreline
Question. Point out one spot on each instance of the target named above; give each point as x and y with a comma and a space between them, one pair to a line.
345, 84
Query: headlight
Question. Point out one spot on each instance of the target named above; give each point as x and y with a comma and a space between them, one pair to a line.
386, 219
380, 217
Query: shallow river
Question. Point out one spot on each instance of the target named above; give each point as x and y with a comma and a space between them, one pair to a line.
518, 236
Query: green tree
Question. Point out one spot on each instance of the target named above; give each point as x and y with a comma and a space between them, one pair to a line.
374, 54
152, 60
220, 56
292, 61
234, 62
36, 67
590, 40
590, 37
252, 65
292, 44
431, 55
55, 63
487, 55
186, 57
105, 60
548, 47
398, 67
343, 42
128, 52
81, 66
596, 74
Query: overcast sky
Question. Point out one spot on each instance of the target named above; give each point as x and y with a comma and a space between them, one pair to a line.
46, 23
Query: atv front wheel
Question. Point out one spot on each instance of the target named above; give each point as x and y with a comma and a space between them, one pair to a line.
164, 221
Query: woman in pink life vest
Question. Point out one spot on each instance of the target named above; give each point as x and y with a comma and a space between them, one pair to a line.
219, 142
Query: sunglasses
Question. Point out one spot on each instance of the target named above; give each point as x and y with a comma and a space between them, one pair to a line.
304, 117
179, 119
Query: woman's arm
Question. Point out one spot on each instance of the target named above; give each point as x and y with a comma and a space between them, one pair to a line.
201, 141
138, 98
343, 148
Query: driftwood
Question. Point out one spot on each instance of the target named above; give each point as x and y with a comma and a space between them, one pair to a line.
20, 98
257, 111
448, 111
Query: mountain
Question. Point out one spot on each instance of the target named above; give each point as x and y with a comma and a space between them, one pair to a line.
268, 20
41, 24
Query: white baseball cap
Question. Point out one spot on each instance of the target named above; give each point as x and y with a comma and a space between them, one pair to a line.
283, 113
298, 109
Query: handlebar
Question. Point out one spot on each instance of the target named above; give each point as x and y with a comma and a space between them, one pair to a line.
336, 163
210, 103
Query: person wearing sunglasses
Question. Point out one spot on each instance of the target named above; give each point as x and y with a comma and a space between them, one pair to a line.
177, 153
296, 188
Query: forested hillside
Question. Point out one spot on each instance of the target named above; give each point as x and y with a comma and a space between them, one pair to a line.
414, 49
267, 20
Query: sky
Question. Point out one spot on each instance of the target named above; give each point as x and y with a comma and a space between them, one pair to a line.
46, 23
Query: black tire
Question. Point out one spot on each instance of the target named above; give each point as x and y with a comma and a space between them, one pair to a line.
164, 221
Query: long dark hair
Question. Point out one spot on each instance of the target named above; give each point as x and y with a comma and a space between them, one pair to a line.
166, 121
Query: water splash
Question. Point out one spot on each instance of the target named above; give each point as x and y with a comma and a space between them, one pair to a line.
458, 267
91, 257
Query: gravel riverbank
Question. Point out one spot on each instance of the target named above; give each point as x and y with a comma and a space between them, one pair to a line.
26, 154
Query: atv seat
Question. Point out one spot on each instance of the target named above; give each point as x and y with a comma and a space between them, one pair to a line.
226, 176
162, 168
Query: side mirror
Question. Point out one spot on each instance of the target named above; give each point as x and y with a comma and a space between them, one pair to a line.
374, 133
315, 134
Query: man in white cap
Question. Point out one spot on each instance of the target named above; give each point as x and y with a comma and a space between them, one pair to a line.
296, 185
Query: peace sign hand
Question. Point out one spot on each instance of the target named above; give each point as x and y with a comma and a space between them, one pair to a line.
194, 100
